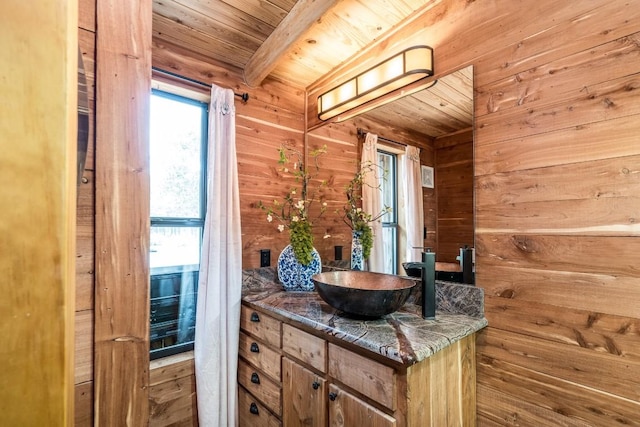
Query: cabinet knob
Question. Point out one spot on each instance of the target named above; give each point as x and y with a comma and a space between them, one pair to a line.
254, 348
255, 317
332, 396
253, 408
255, 378
315, 385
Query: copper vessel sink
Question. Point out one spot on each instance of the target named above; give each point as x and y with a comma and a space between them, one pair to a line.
362, 293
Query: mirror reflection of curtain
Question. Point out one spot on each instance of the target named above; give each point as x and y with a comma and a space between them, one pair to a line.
220, 283
412, 216
371, 202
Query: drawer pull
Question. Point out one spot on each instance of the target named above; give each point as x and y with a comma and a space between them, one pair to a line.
255, 317
254, 348
255, 378
315, 385
332, 396
253, 408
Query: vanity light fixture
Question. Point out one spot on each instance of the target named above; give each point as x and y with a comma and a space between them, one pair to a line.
408, 66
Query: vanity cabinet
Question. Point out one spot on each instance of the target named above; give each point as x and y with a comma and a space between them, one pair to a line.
316, 377
316, 380
259, 370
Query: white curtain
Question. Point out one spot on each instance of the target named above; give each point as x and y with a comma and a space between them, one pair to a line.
371, 202
412, 222
219, 287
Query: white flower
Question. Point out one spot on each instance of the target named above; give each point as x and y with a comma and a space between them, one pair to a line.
281, 228
285, 170
293, 192
269, 218
324, 204
300, 204
295, 218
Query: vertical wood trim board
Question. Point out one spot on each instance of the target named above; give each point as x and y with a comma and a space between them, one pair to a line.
123, 76
38, 122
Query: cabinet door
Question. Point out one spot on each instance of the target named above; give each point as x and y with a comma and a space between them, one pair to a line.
346, 410
304, 397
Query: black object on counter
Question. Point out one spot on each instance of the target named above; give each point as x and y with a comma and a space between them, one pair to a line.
428, 284
466, 259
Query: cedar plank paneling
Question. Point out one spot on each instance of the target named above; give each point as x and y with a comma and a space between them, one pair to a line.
84, 243
506, 410
85, 234
601, 371
87, 15
497, 58
173, 402
614, 294
83, 402
454, 191
172, 393
551, 393
83, 351
598, 331
574, 253
121, 372
598, 102
592, 66
555, 153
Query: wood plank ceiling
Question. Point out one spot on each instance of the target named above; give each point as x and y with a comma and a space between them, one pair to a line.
296, 42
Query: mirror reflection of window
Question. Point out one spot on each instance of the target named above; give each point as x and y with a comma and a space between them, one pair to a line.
388, 185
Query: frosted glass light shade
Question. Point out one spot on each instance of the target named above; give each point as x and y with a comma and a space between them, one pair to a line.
406, 67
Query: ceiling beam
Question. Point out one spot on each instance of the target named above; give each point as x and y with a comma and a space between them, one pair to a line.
293, 26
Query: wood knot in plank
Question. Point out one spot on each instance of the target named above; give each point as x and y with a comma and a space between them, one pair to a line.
128, 339
524, 244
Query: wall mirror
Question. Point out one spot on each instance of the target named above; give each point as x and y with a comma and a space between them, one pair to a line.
83, 119
441, 115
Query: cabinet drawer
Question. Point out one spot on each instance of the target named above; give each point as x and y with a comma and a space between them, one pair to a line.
252, 413
260, 386
261, 356
366, 376
260, 325
305, 347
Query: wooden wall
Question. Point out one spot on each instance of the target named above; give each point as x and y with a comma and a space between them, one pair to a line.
85, 232
274, 115
557, 171
454, 189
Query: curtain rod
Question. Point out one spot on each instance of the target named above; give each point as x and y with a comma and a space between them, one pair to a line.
244, 95
362, 133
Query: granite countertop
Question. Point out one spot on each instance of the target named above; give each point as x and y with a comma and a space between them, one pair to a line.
403, 337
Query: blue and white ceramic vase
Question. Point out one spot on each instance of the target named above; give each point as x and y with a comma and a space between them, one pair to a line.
357, 261
295, 276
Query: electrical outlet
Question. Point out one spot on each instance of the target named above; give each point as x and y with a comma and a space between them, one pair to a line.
265, 257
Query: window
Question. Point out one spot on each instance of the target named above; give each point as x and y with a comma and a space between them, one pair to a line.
178, 141
388, 163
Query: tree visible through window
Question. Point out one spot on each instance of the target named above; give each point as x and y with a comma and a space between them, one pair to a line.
178, 139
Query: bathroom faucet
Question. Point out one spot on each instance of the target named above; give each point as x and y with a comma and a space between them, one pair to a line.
466, 264
428, 274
